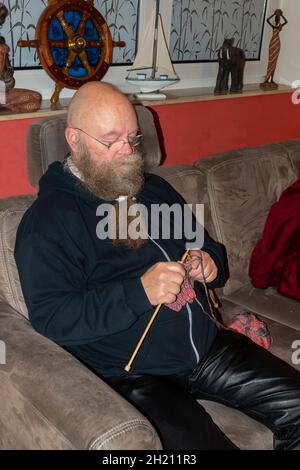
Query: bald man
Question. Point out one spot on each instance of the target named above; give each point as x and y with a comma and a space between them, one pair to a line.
95, 295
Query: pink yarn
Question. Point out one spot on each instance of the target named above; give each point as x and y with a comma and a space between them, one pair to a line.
187, 293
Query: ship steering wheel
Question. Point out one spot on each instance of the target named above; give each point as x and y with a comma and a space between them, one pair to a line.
73, 43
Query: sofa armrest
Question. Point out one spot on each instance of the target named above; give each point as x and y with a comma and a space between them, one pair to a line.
49, 400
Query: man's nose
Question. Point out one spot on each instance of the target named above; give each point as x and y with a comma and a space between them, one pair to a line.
127, 148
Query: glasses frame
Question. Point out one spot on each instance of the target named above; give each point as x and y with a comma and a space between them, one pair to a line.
109, 146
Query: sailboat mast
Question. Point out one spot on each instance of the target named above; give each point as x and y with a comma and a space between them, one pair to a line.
154, 58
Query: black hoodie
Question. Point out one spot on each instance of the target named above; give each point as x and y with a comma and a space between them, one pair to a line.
86, 295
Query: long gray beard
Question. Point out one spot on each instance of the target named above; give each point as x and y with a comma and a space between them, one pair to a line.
109, 181
129, 241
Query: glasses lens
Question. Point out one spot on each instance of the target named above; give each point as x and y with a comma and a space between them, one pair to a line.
133, 142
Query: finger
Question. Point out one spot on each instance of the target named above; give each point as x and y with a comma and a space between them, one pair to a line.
174, 288
195, 273
175, 267
210, 274
174, 277
195, 264
169, 299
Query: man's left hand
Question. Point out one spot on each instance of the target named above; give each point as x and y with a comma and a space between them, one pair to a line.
209, 267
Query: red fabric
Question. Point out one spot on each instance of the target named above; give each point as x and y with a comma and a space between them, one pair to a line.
249, 325
275, 260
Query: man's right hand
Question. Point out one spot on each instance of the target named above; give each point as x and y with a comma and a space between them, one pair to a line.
162, 282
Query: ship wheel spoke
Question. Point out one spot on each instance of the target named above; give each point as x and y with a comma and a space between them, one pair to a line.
85, 17
62, 44
66, 27
95, 43
70, 59
85, 62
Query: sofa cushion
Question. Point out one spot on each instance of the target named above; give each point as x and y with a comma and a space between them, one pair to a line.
242, 188
269, 303
10, 288
293, 149
245, 432
283, 336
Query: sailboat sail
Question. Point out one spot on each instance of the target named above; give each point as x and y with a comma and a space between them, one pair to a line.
153, 68
163, 56
144, 57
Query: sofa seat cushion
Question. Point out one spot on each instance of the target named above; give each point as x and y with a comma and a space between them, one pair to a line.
283, 336
245, 432
10, 287
269, 303
241, 191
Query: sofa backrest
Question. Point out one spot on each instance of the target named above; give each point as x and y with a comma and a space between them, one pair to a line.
242, 185
46, 142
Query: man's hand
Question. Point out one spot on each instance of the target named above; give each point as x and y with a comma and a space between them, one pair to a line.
162, 282
209, 267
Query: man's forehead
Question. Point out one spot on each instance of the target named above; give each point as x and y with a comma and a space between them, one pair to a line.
113, 123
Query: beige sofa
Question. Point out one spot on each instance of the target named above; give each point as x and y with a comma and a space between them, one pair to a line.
49, 399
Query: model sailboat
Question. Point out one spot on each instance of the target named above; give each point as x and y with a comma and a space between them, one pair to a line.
152, 69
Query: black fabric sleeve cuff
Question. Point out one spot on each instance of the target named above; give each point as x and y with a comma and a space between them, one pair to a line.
136, 297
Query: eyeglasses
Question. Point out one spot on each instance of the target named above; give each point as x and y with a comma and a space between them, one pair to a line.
117, 144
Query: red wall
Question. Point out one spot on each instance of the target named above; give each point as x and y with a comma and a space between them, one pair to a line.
13, 165
196, 130
188, 131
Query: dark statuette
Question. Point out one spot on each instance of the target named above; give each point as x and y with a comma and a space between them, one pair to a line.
231, 62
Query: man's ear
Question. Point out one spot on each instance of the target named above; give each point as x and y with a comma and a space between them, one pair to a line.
72, 138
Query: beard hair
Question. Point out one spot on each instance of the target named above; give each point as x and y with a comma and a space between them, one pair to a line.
109, 181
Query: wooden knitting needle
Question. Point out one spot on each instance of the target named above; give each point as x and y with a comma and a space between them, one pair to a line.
128, 366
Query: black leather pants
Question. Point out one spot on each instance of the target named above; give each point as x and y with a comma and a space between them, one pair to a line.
237, 373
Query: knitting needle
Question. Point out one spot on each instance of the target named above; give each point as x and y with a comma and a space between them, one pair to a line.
128, 366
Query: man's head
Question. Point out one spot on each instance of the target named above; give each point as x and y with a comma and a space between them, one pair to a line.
101, 132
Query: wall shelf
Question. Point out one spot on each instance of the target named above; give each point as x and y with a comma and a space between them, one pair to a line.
173, 97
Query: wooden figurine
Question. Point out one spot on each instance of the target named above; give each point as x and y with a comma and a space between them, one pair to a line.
17, 100
274, 49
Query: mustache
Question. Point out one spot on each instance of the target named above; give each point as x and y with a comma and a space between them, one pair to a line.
128, 160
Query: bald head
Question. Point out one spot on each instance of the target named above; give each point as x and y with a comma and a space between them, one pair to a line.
96, 99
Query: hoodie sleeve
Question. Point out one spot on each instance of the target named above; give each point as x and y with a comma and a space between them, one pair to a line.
217, 252
61, 307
